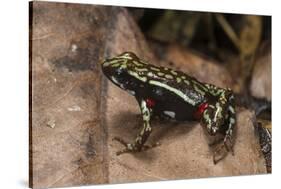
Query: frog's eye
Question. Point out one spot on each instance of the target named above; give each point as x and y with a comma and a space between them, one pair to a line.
120, 71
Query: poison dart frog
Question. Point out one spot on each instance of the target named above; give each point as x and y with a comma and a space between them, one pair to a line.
166, 93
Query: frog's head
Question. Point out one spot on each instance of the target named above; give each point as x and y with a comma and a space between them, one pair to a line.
213, 118
121, 70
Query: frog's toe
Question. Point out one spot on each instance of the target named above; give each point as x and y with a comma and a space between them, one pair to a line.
125, 150
149, 146
129, 148
228, 144
229, 148
121, 141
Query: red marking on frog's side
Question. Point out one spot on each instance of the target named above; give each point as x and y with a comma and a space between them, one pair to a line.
198, 113
150, 102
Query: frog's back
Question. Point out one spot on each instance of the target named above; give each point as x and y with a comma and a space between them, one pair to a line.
174, 95
175, 83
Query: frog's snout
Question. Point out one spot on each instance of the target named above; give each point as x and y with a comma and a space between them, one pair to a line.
107, 63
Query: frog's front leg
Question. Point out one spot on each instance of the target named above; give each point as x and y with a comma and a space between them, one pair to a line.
138, 144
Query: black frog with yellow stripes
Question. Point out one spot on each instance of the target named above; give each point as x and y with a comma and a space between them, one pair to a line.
166, 93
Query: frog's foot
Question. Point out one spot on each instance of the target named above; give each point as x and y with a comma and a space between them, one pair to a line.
219, 154
215, 142
133, 147
228, 144
222, 150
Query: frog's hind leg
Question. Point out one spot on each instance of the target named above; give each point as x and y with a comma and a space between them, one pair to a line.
231, 121
138, 144
228, 132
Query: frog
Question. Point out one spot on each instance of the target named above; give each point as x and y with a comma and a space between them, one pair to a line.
171, 94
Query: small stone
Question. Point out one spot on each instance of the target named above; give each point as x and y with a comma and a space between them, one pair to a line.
51, 123
74, 108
